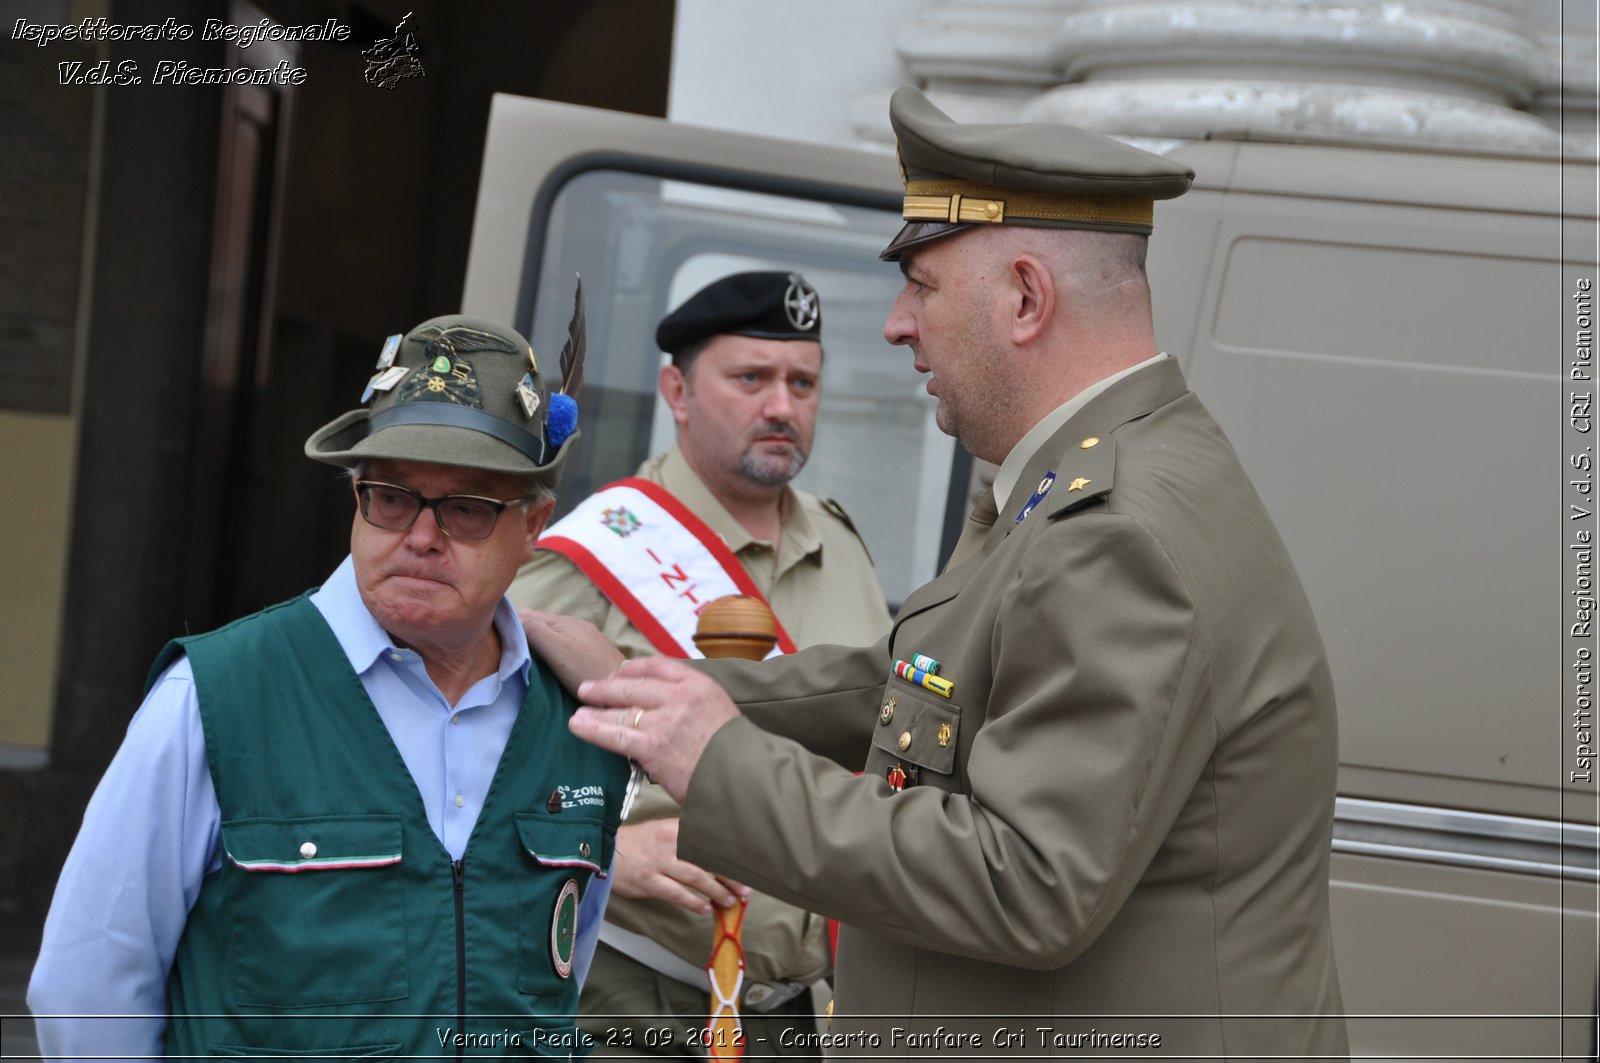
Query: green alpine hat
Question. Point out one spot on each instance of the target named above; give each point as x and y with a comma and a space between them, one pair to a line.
463, 391
1055, 176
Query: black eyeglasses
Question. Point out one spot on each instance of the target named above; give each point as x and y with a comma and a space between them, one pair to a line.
396, 508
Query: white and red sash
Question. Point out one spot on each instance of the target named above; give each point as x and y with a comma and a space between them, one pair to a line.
654, 559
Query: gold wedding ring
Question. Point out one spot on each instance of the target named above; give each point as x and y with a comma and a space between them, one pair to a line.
636, 718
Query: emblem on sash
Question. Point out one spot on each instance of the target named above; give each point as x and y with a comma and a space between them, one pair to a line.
619, 519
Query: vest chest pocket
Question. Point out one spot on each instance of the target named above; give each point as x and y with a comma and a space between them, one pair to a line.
315, 911
563, 851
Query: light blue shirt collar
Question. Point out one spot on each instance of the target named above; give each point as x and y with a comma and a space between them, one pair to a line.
364, 640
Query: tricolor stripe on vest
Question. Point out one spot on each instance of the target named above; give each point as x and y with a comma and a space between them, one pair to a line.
316, 863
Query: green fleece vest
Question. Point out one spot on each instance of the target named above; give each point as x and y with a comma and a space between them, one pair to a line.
338, 924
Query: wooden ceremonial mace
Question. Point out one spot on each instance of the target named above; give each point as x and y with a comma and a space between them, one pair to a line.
743, 627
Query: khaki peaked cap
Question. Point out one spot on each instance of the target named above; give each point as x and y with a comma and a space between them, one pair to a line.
1054, 176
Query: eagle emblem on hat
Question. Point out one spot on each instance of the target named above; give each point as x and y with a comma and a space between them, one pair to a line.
800, 304
443, 380
444, 375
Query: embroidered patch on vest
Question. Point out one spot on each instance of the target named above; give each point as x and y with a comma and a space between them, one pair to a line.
564, 928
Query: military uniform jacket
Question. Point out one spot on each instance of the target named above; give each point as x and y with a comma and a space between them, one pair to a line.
1123, 809
820, 582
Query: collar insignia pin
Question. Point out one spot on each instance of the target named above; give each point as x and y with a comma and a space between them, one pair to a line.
1039, 492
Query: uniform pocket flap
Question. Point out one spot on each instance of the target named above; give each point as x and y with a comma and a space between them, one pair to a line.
565, 840
326, 843
914, 728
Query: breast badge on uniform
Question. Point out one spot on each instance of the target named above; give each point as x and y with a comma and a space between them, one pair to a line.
901, 776
924, 678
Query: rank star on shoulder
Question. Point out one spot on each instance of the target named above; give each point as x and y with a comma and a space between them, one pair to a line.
1079, 484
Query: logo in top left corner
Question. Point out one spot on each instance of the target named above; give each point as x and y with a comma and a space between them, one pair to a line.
392, 60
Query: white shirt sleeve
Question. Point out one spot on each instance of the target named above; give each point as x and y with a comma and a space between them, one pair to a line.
149, 837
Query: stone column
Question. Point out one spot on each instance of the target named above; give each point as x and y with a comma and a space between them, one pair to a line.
1437, 71
979, 60
1566, 101
1463, 73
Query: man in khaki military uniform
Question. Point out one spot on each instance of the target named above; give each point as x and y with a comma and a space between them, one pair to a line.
1098, 750
743, 389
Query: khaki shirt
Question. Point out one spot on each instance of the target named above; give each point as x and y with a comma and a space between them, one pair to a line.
820, 583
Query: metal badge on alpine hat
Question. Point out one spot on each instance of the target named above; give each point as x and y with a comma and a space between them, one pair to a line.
468, 392
1055, 176
765, 304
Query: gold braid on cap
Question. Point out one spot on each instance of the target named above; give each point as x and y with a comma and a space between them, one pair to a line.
968, 201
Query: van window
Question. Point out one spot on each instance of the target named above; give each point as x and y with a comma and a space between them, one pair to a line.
645, 243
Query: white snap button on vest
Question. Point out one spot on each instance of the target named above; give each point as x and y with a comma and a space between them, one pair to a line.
308, 850
583, 849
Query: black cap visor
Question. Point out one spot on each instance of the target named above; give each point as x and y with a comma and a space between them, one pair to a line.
919, 232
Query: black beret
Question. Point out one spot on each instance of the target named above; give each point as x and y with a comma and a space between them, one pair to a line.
768, 305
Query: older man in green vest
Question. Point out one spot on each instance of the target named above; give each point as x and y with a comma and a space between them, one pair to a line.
355, 824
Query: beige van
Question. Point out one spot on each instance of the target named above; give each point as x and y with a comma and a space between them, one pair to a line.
1383, 331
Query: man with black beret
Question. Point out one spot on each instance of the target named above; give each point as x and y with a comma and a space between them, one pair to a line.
355, 823
1098, 752
715, 514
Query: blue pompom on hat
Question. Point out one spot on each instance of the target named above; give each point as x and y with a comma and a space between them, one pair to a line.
561, 420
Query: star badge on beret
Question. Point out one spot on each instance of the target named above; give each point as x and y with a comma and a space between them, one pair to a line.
800, 303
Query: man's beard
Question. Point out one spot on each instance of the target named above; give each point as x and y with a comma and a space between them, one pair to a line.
768, 470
